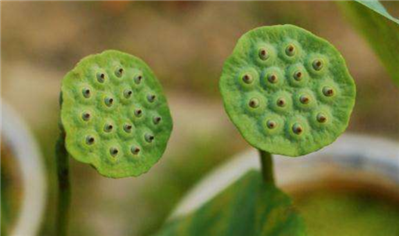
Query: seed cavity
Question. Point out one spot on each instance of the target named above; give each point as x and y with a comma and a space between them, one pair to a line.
304, 99
109, 101
138, 112
328, 92
127, 93
263, 54
135, 150
272, 78
113, 151
157, 120
254, 103
271, 124
119, 72
101, 77
86, 116
290, 50
321, 118
317, 64
281, 102
90, 140
297, 129
151, 97
138, 79
298, 76
86, 93
108, 128
127, 128
247, 79
149, 138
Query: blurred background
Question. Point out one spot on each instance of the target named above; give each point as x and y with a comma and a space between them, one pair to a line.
185, 43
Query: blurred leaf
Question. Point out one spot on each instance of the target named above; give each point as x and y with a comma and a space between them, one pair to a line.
248, 207
379, 28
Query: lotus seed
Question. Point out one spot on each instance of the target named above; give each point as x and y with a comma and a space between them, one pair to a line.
271, 124
138, 79
90, 140
298, 76
119, 72
297, 129
254, 103
281, 102
151, 98
127, 128
135, 150
247, 79
157, 119
317, 65
138, 112
272, 78
304, 99
321, 118
127, 93
327, 91
109, 101
149, 138
263, 54
101, 77
290, 50
86, 93
113, 151
108, 128
86, 116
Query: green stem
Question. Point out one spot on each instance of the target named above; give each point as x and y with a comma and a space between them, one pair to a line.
266, 161
64, 189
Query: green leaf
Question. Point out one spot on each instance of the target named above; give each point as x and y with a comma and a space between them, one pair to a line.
379, 28
248, 207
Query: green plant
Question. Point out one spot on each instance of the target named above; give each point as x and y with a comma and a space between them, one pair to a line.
114, 116
288, 92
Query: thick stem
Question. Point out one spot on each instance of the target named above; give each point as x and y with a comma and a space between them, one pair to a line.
266, 161
64, 189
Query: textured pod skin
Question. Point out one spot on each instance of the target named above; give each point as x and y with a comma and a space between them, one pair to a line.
287, 91
108, 112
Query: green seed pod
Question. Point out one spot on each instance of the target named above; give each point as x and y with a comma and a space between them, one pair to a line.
303, 80
103, 102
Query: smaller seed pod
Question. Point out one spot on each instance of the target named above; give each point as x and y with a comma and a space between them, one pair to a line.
113, 151
263, 54
149, 138
290, 50
119, 72
157, 120
127, 128
100, 77
90, 140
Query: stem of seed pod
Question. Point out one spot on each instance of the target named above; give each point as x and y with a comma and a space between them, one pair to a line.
266, 161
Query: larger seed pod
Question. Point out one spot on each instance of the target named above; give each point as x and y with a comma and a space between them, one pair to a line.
306, 121
105, 139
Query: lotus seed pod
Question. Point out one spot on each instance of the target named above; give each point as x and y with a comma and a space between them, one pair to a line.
106, 116
297, 83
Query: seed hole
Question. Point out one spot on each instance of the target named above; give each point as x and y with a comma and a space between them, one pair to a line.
135, 150
127, 93
263, 54
247, 79
290, 50
271, 124
113, 151
109, 101
297, 129
304, 99
138, 79
157, 119
86, 116
321, 118
127, 128
149, 137
328, 92
101, 77
317, 65
108, 128
138, 112
86, 93
90, 140
119, 72
151, 97
298, 76
272, 79
281, 102
254, 103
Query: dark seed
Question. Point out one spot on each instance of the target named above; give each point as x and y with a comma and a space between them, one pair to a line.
263, 54
86, 93
151, 98
86, 116
321, 118
101, 77
247, 79
89, 140
297, 129
298, 76
254, 103
108, 128
113, 151
109, 101
138, 112
135, 150
157, 120
290, 50
149, 138
127, 93
138, 79
272, 79
281, 102
328, 91
127, 128
317, 65
304, 99
271, 124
